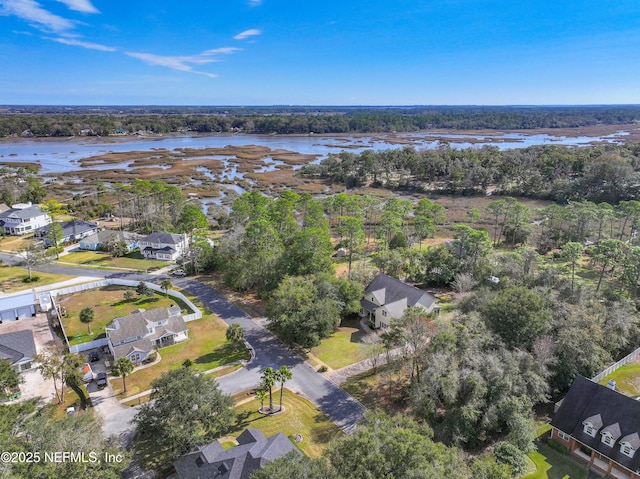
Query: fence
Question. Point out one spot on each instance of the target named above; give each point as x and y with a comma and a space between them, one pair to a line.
196, 314
96, 343
627, 359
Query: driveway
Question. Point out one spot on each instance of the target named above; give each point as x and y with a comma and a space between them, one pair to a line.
34, 384
342, 408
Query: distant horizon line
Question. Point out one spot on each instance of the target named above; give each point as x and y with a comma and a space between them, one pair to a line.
285, 105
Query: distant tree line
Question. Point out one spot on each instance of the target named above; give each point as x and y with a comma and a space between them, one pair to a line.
103, 121
597, 173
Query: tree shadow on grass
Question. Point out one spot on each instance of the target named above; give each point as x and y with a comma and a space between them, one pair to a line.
226, 353
323, 431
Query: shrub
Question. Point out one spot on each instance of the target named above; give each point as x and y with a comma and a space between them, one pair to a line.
509, 454
553, 444
322, 369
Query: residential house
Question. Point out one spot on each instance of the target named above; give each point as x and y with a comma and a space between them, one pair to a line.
163, 246
240, 462
387, 298
135, 336
19, 348
22, 219
72, 231
98, 241
601, 427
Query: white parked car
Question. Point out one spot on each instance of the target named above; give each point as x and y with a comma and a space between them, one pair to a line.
179, 272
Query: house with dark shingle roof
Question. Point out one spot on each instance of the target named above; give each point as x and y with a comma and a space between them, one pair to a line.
600, 426
73, 230
252, 452
22, 219
135, 336
19, 348
163, 246
387, 298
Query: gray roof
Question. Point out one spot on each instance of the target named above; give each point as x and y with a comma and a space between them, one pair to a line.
368, 306
164, 238
135, 324
613, 430
16, 301
69, 228
397, 296
141, 345
17, 345
106, 235
587, 400
252, 452
22, 213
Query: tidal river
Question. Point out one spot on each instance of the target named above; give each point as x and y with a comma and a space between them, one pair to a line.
62, 155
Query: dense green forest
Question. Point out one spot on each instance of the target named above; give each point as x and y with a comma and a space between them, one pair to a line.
598, 173
103, 121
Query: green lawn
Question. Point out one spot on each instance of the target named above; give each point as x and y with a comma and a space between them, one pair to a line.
344, 347
108, 304
133, 260
552, 464
300, 417
207, 347
12, 279
627, 379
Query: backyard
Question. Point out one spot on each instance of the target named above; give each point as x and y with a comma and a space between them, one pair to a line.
627, 378
133, 260
551, 464
108, 303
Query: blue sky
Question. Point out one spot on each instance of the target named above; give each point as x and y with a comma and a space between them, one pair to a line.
266, 52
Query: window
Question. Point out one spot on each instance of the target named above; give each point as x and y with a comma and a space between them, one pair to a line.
135, 357
588, 429
608, 440
563, 436
627, 450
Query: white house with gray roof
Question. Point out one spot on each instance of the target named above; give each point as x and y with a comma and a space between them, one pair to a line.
240, 462
163, 246
135, 336
387, 298
22, 219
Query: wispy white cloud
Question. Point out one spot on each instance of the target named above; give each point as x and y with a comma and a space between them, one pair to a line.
184, 63
80, 43
255, 3
248, 33
84, 6
31, 11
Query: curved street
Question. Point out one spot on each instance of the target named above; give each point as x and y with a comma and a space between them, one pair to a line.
332, 400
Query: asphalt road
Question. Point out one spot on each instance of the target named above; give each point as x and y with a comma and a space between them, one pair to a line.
342, 408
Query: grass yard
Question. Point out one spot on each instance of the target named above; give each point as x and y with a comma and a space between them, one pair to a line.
551, 464
108, 304
300, 417
11, 279
207, 347
344, 347
133, 260
15, 243
627, 379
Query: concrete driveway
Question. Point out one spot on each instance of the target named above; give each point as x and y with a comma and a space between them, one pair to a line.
34, 384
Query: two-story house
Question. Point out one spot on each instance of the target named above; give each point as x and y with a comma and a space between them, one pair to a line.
163, 246
387, 298
135, 336
601, 427
98, 241
22, 219
74, 230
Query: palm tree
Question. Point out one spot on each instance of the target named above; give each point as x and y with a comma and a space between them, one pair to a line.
283, 375
269, 379
122, 367
261, 395
86, 316
166, 285
235, 333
